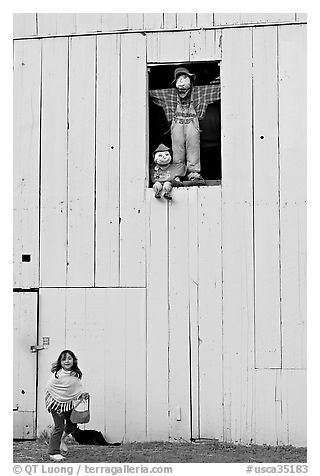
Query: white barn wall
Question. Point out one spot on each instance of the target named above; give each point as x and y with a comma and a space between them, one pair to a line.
173, 299
49, 24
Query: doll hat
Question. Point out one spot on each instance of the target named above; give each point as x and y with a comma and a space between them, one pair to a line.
179, 71
160, 148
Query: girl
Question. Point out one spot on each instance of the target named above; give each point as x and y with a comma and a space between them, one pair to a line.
63, 389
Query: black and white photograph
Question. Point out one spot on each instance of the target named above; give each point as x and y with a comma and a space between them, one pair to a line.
159, 242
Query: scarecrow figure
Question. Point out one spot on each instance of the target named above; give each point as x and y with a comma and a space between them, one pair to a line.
184, 106
163, 173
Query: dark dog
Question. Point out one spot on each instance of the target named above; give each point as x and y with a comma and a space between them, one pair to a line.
91, 437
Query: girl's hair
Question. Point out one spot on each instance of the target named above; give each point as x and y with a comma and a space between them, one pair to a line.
56, 366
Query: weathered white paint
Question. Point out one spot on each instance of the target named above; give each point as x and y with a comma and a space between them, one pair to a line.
204, 20
114, 21
168, 47
237, 233
186, 21
188, 332
292, 139
133, 120
135, 21
48, 24
81, 161
26, 145
210, 365
194, 284
157, 235
266, 17
24, 24
88, 22
54, 162
179, 318
170, 20
266, 199
24, 368
107, 184
205, 45
153, 21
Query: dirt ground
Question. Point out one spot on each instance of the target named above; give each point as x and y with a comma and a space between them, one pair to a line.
162, 452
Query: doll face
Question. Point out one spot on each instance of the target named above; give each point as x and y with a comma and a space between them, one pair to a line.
162, 158
183, 83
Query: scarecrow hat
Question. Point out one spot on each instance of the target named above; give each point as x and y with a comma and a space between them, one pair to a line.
179, 71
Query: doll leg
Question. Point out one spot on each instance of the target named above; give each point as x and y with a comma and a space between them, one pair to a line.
167, 187
157, 187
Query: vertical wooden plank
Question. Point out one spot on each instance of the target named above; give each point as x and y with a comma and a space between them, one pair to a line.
204, 20
267, 407
197, 45
24, 24
292, 138
170, 20
226, 18
92, 352
24, 336
266, 17
135, 345
53, 236
26, 134
186, 21
179, 346
135, 21
66, 23
205, 45
47, 24
107, 161
237, 233
301, 17
193, 292
115, 364
210, 313
133, 172
157, 318
114, 21
266, 199
152, 47
174, 46
125, 358
24, 365
153, 21
88, 22
52, 324
294, 407
81, 163
217, 42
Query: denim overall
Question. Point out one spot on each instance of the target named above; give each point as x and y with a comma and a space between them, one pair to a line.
185, 135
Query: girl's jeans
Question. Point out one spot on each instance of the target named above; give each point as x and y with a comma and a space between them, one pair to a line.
62, 423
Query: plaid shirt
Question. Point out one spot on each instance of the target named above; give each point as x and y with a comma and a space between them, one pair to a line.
201, 96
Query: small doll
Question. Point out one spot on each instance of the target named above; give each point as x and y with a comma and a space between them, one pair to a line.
164, 174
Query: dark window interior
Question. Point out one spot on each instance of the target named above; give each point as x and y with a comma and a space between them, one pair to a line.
161, 76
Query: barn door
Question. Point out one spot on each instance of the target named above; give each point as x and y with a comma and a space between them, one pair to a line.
24, 364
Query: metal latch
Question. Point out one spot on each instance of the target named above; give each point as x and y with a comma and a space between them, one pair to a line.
45, 345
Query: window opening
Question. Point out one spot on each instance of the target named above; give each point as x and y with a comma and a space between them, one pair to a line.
161, 77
